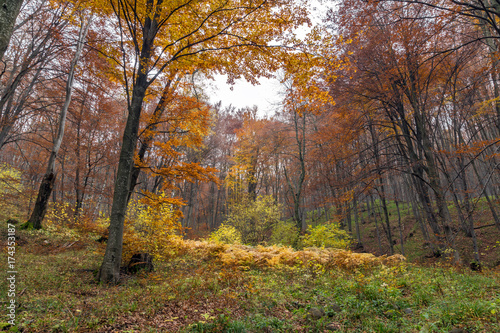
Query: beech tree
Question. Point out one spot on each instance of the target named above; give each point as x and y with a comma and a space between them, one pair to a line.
48, 180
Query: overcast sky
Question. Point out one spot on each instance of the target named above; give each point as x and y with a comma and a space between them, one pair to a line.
266, 95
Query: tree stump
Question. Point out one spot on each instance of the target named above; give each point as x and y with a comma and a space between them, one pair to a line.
140, 262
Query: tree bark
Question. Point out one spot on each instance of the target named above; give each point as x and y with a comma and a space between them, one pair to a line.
110, 268
401, 237
146, 143
9, 10
356, 220
381, 190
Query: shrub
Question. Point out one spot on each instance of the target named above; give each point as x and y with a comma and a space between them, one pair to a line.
153, 229
326, 235
11, 188
60, 215
254, 219
285, 233
226, 234
315, 260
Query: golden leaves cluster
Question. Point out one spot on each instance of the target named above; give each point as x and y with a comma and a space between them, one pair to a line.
153, 227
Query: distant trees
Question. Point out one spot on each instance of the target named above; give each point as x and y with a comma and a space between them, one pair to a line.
410, 67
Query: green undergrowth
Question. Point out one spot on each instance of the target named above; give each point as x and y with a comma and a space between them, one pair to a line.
416, 247
57, 292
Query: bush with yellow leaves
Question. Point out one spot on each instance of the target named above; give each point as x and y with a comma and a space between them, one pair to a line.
61, 219
11, 188
226, 234
285, 233
60, 215
326, 236
154, 229
254, 219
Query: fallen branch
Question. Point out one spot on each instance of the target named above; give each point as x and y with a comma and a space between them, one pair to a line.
485, 226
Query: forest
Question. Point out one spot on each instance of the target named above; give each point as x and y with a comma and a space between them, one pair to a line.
368, 201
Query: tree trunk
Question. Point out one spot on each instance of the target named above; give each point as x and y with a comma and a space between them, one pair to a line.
48, 180
484, 191
401, 237
297, 188
110, 268
348, 217
147, 141
375, 217
356, 220
382, 191
9, 10
42, 199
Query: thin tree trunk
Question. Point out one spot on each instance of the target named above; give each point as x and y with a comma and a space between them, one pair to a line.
376, 225
485, 193
382, 191
48, 180
356, 220
401, 237
348, 217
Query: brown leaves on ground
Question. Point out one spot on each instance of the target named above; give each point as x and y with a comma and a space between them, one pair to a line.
177, 314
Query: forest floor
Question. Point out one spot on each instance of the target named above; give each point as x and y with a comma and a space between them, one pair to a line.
417, 249
56, 291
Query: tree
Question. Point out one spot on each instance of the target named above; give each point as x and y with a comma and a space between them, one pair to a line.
251, 154
254, 218
296, 184
48, 180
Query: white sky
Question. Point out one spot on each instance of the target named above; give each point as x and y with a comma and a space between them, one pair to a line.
266, 95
